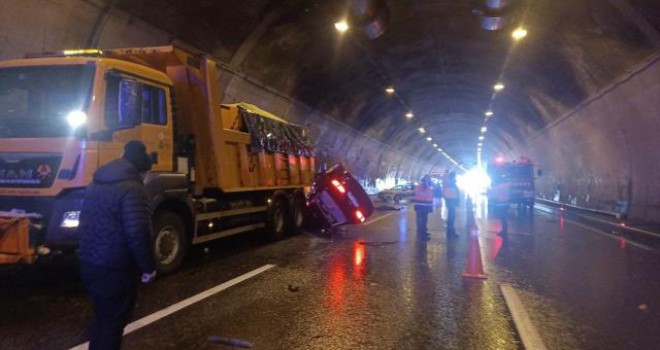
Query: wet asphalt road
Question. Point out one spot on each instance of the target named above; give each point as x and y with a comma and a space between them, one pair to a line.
374, 286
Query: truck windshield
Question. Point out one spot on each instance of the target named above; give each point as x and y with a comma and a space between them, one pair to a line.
43, 101
511, 172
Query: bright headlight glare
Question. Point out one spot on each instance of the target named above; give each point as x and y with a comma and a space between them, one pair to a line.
70, 219
76, 118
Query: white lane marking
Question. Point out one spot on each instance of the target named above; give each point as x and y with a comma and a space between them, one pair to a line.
528, 334
377, 219
617, 238
145, 321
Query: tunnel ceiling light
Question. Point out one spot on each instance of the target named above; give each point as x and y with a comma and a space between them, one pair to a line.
429, 138
389, 90
498, 87
421, 130
484, 129
409, 115
341, 26
480, 144
481, 138
519, 33
489, 113
435, 145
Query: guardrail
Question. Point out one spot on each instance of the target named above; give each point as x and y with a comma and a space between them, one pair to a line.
621, 225
583, 209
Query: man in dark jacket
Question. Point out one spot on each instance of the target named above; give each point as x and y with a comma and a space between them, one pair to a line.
115, 243
451, 195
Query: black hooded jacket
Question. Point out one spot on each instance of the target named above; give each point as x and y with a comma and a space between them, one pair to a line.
115, 224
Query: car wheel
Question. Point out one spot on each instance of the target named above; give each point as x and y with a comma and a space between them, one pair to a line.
397, 198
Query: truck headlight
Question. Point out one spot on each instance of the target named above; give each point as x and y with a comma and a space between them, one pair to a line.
70, 219
76, 118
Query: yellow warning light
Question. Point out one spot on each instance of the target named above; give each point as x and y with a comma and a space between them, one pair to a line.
83, 52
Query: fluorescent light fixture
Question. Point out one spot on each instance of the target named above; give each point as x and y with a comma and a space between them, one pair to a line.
481, 137
389, 90
435, 145
484, 129
429, 138
421, 130
489, 113
409, 115
498, 87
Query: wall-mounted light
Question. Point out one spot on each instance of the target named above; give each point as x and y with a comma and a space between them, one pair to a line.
519, 33
429, 138
489, 113
421, 130
341, 26
481, 138
389, 90
498, 87
409, 115
435, 145
484, 129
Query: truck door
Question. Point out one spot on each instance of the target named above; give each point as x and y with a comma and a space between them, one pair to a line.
137, 109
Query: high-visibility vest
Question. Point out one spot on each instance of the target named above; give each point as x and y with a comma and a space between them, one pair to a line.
423, 195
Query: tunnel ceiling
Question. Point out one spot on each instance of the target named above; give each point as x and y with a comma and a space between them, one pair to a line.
441, 56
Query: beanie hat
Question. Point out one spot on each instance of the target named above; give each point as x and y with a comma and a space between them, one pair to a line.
136, 153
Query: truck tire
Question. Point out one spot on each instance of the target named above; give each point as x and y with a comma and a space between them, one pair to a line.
278, 218
397, 198
170, 241
297, 206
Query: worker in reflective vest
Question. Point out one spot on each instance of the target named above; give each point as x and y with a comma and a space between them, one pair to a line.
423, 204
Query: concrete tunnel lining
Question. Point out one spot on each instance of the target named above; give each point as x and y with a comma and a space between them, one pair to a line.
603, 152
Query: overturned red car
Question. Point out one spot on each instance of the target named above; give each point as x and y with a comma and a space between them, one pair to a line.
337, 198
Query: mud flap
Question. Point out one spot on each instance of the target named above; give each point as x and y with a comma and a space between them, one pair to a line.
15, 240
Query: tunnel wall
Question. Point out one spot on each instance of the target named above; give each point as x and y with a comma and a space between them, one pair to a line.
604, 154
35, 26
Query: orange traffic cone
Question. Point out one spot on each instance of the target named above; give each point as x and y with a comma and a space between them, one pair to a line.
474, 268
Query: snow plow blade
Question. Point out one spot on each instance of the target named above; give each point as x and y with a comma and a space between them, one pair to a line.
15, 240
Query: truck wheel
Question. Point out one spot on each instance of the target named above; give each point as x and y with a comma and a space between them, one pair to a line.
397, 198
170, 241
297, 213
277, 218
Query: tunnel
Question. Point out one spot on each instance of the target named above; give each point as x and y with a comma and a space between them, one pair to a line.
578, 95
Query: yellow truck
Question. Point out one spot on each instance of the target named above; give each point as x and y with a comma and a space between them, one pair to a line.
218, 169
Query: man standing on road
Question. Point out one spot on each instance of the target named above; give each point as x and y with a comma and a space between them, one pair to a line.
451, 195
115, 243
423, 205
502, 195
